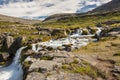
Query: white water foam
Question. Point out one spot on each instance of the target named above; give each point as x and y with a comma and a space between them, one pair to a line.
13, 71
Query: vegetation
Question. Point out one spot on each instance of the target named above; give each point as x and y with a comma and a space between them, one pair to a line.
107, 48
82, 68
84, 21
30, 32
106, 44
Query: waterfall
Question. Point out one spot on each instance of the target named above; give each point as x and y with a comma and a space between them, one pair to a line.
34, 47
98, 31
79, 31
13, 71
17, 57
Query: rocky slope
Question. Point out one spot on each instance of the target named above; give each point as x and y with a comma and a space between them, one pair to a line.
60, 64
111, 6
18, 20
98, 60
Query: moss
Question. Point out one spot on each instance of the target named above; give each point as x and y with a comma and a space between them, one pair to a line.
2, 63
85, 32
4, 49
86, 70
65, 66
82, 68
46, 58
103, 46
75, 61
27, 64
116, 54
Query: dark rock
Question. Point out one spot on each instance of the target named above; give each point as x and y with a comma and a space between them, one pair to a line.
1, 58
67, 47
116, 69
15, 45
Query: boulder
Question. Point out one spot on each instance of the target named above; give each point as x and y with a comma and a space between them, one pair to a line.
35, 76
15, 46
57, 54
6, 43
44, 66
5, 56
68, 76
116, 69
63, 60
29, 52
113, 33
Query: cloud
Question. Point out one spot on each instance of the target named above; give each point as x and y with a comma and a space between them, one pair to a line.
39, 8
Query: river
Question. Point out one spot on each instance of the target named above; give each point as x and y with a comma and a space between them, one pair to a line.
15, 71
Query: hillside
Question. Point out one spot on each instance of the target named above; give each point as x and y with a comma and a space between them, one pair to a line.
111, 6
19, 20
84, 20
114, 5
72, 46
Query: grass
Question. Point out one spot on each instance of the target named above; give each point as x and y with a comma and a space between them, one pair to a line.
107, 48
83, 68
105, 45
30, 32
84, 21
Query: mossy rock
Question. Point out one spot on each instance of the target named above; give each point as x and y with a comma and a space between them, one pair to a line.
67, 45
2, 63
49, 48
85, 32
46, 58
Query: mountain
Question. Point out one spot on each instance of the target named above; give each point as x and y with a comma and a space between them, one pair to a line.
113, 5
19, 20
110, 6
35, 9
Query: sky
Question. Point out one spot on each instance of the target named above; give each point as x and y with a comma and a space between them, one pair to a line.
42, 8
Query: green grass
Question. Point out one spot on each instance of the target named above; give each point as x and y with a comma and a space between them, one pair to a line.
17, 29
84, 21
105, 45
87, 69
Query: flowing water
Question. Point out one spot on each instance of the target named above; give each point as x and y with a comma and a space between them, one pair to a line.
76, 39
13, 71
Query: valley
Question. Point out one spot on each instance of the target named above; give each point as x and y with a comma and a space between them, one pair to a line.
68, 46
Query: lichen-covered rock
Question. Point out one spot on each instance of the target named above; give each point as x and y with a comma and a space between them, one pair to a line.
44, 66
15, 45
68, 76
35, 76
63, 54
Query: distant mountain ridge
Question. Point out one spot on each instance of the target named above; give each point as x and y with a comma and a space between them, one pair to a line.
35, 9
19, 20
111, 6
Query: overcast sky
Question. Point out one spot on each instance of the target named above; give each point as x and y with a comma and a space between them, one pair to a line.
48, 7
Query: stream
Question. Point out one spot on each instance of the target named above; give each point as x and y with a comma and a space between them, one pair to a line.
15, 71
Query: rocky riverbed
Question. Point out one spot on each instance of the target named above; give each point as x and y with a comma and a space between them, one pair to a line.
54, 60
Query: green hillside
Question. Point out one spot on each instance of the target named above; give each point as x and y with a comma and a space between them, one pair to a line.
84, 21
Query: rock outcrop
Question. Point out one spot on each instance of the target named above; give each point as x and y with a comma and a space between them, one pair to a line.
9, 46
